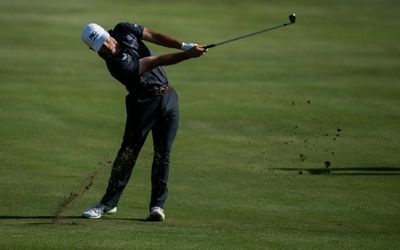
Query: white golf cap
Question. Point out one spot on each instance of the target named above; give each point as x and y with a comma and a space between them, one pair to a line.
94, 36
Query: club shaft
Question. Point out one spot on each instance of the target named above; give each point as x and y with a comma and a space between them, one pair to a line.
245, 35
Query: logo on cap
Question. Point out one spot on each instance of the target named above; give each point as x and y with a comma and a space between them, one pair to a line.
93, 35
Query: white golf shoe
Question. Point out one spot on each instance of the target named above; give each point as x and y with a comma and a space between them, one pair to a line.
96, 211
156, 214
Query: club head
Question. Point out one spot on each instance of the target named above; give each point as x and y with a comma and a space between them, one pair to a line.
292, 18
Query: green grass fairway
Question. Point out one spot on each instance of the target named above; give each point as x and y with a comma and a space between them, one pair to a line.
288, 140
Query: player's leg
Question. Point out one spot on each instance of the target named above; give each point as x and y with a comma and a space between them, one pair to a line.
141, 117
164, 133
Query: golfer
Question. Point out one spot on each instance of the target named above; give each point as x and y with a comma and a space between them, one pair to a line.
151, 105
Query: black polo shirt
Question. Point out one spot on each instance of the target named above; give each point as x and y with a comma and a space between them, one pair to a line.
124, 66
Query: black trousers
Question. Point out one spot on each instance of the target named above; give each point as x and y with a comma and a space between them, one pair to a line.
160, 115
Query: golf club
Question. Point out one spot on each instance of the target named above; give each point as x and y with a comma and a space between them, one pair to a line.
292, 19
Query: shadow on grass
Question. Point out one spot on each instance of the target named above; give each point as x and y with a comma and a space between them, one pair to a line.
64, 218
384, 171
13, 217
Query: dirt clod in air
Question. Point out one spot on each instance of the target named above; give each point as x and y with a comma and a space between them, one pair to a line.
327, 164
73, 196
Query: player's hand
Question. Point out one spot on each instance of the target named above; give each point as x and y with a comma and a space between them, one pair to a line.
196, 51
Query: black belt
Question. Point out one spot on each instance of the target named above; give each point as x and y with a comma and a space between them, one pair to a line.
159, 91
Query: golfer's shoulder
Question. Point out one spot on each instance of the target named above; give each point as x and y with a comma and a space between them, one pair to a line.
124, 28
124, 65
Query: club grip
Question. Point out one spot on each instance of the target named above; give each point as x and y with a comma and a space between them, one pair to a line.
209, 46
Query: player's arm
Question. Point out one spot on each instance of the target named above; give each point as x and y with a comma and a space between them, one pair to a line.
150, 62
161, 39
165, 40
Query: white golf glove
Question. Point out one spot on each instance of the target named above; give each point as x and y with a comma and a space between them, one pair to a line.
188, 46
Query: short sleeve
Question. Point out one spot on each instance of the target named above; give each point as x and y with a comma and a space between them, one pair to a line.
125, 68
130, 66
126, 28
